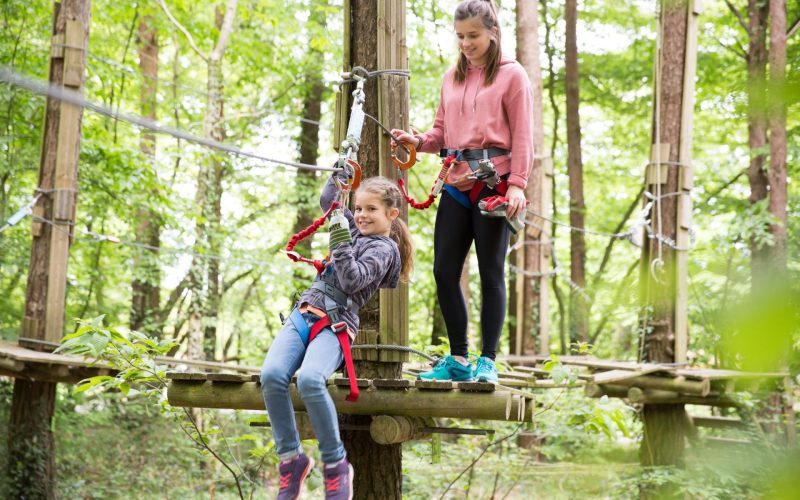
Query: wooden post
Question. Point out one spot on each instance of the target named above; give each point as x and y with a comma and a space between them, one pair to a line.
31, 464
685, 184
375, 39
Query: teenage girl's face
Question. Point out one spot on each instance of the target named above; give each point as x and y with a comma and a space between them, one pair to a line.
372, 217
474, 40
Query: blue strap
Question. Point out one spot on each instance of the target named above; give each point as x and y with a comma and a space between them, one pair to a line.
300, 325
457, 195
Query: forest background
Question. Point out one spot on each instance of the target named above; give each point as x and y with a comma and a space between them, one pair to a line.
279, 74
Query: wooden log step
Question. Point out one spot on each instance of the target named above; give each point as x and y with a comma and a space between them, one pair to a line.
186, 376
388, 383
713, 422
676, 384
228, 378
611, 390
655, 396
413, 402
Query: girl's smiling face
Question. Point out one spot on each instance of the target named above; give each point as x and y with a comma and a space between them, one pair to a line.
372, 216
474, 40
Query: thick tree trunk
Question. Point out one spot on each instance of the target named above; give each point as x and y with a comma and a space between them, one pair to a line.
30, 467
664, 441
378, 468
145, 289
578, 309
757, 129
534, 316
778, 195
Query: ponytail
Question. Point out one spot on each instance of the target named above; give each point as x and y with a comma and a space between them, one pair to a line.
402, 236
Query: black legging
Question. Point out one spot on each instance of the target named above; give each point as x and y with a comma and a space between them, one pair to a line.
456, 228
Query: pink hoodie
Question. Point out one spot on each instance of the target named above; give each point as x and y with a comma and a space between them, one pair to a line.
472, 116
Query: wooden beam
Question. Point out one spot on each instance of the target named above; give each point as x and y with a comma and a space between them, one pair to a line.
396, 402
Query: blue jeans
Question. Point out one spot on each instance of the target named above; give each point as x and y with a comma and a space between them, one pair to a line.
316, 363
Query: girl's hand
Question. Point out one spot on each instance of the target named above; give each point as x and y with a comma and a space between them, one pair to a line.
403, 136
516, 201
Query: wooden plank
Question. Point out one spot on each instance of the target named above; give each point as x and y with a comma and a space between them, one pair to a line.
434, 385
716, 374
476, 386
186, 376
362, 383
616, 375
73, 53
213, 365
228, 377
382, 383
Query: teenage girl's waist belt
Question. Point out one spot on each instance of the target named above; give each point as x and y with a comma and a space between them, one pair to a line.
472, 156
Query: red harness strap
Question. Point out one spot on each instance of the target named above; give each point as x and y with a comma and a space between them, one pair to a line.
340, 329
474, 193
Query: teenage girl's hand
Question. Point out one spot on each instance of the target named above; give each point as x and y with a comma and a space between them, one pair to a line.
403, 136
516, 201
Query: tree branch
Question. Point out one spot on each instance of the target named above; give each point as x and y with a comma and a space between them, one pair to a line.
724, 186
612, 241
739, 52
793, 28
225, 31
183, 30
739, 16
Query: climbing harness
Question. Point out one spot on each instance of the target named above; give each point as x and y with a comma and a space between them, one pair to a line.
335, 302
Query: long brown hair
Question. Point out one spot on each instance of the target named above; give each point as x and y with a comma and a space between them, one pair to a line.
391, 197
486, 12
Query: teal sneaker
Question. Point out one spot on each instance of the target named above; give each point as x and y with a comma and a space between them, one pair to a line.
448, 368
485, 371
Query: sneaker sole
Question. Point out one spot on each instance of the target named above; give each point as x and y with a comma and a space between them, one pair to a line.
352, 473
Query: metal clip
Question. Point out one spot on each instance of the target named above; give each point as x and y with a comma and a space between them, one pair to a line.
487, 173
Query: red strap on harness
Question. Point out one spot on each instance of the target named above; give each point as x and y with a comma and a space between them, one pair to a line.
437, 186
475, 193
340, 329
319, 265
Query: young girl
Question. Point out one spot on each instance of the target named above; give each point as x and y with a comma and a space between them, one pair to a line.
370, 250
485, 113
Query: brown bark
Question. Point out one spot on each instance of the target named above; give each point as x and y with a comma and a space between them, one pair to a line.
778, 194
534, 290
378, 468
757, 126
578, 309
145, 289
30, 467
664, 441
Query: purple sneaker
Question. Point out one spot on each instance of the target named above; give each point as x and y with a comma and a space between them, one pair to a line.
292, 473
339, 481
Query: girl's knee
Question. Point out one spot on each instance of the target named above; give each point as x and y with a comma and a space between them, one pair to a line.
309, 383
273, 376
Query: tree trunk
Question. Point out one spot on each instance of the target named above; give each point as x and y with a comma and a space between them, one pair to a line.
663, 441
205, 272
778, 194
30, 467
578, 309
145, 289
378, 468
533, 315
757, 129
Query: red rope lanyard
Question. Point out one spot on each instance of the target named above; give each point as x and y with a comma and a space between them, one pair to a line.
319, 265
435, 190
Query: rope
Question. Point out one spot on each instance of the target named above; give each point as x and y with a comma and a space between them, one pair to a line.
10, 77
435, 189
319, 265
